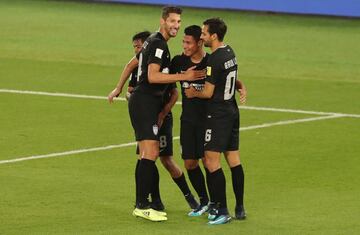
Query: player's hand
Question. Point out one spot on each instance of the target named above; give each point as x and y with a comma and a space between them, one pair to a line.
243, 94
161, 118
114, 93
190, 92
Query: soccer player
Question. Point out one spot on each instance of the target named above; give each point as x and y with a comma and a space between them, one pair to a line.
193, 116
145, 103
222, 123
165, 132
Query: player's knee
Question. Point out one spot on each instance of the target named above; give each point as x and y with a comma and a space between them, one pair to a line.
212, 164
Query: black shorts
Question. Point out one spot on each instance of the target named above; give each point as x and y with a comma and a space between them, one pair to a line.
144, 110
165, 137
192, 140
222, 131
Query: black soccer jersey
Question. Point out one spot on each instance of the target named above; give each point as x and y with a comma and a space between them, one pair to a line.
193, 110
133, 79
222, 72
154, 50
166, 96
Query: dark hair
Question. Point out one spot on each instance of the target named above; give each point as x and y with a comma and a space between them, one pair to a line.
194, 31
170, 9
218, 26
141, 36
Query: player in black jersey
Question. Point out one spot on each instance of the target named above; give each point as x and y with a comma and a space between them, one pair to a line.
222, 124
165, 132
145, 103
193, 116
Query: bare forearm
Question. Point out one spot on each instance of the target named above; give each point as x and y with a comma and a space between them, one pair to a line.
128, 69
123, 78
162, 78
239, 84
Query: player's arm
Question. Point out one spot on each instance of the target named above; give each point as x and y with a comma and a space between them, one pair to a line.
129, 67
206, 93
174, 94
156, 76
240, 87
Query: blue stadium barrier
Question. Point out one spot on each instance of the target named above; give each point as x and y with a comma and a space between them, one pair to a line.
348, 8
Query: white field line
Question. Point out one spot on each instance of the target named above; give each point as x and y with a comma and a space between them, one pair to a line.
123, 99
265, 125
56, 94
287, 122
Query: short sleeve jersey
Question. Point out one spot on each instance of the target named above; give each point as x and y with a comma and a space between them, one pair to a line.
193, 110
154, 50
222, 72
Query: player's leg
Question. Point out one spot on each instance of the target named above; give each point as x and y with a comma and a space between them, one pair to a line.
217, 188
144, 122
190, 142
166, 152
217, 135
137, 174
237, 175
147, 169
232, 156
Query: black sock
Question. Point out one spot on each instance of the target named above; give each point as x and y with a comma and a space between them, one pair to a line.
218, 187
207, 173
198, 182
181, 183
237, 174
137, 182
146, 174
155, 191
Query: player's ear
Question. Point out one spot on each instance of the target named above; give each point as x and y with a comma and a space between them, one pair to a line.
213, 36
162, 21
200, 43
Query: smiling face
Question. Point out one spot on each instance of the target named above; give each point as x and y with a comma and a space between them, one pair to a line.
190, 45
171, 25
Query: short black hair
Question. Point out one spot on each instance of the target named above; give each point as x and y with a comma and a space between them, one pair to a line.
194, 31
170, 9
218, 26
141, 36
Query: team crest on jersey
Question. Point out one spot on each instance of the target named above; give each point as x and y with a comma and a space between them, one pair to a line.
155, 129
208, 71
159, 53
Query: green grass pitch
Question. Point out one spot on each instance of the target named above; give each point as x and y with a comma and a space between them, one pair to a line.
301, 178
